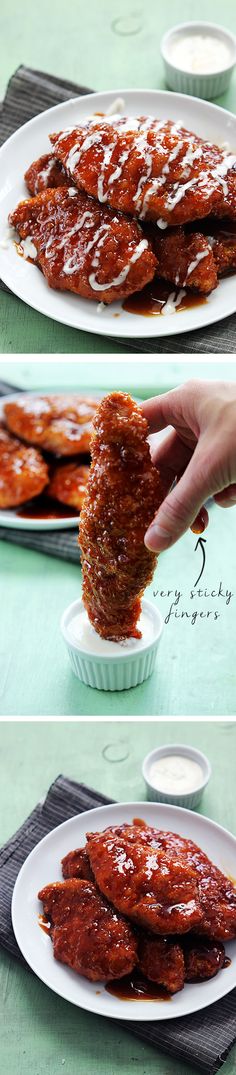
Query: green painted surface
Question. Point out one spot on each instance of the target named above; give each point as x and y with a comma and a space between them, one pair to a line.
195, 671
40, 1032
103, 45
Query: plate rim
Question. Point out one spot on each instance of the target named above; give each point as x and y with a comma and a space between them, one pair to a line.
172, 810
99, 328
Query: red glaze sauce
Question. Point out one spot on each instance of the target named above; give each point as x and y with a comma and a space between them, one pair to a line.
44, 508
136, 987
150, 301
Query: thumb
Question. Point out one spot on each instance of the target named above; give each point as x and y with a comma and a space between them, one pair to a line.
180, 508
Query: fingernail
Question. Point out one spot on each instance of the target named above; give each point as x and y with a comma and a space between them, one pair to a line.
157, 539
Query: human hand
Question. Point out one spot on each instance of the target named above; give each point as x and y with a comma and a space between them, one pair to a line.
200, 452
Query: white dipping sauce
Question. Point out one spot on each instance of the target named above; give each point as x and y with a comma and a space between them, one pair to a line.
175, 774
200, 53
82, 634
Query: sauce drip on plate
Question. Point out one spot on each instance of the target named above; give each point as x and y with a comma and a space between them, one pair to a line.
136, 987
151, 300
45, 508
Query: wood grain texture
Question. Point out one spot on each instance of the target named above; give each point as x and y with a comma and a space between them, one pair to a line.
106, 46
41, 1032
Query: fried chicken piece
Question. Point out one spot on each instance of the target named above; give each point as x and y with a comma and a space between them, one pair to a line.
217, 897
152, 169
59, 424
86, 933
224, 252
162, 961
124, 490
186, 259
202, 959
147, 875
23, 471
81, 247
76, 864
44, 173
68, 483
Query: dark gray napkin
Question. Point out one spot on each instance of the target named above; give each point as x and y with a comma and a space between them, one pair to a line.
203, 1039
30, 92
60, 543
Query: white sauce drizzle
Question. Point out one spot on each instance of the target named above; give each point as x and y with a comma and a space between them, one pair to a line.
172, 302
209, 180
124, 272
193, 264
28, 247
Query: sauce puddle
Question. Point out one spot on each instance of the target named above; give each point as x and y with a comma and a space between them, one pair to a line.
150, 301
45, 508
136, 987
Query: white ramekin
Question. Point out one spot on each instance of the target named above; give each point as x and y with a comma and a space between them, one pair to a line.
190, 799
116, 672
198, 85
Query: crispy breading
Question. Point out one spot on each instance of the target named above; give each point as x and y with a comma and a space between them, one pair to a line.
23, 471
86, 932
153, 169
83, 247
124, 490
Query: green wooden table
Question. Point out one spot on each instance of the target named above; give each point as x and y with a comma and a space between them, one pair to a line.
103, 45
40, 1032
195, 671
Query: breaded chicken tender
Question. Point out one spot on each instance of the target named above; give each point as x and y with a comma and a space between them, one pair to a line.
186, 260
83, 247
76, 864
44, 173
203, 959
124, 490
163, 881
147, 875
162, 962
86, 932
23, 471
68, 482
153, 169
194, 259
61, 424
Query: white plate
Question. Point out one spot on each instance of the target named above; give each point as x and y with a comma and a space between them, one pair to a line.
9, 516
43, 866
25, 280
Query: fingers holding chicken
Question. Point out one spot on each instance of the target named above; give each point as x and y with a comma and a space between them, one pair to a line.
23, 471
86, 932
124, 489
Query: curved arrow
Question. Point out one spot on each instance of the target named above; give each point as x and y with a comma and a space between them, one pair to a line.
201, 541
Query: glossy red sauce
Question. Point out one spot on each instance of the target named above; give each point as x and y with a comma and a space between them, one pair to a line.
44, 508
199, 525
150, 301
44, 924
136, 987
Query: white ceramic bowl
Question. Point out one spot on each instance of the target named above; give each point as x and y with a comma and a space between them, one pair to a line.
190, 800
109, 666
206, 86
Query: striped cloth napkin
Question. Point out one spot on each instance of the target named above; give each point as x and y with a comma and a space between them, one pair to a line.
203, 1039
30, 92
